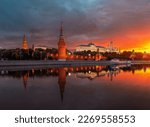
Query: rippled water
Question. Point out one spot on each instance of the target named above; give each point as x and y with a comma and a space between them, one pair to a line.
92, 87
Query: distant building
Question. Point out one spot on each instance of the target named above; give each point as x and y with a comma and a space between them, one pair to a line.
25, 43
90, 47
111, 48
93, 48
40, 47
62, 55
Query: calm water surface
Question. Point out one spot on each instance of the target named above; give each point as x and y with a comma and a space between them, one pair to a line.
92, 87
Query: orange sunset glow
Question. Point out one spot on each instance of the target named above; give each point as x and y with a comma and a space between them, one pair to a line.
124, 22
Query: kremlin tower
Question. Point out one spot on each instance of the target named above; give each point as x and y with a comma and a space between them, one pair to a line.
25, 43
61, 46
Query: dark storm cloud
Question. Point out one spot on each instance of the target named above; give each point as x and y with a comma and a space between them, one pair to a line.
83, 19
39, 16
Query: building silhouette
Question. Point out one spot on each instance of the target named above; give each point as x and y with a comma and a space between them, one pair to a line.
61, 46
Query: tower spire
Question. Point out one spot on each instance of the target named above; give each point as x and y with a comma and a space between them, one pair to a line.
25, 43
61, 29
61, 37
61, 45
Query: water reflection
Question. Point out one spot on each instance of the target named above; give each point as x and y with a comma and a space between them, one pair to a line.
62, 81
89, 72
25, 76
77, 74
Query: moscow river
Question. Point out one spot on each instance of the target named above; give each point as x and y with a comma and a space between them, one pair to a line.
85, 87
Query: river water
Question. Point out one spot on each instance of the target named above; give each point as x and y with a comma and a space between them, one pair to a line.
88, 87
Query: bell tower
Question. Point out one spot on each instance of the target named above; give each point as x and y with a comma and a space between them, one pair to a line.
61, 46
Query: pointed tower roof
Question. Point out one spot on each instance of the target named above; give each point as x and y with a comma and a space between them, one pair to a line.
25, 43
62, 55
61, 36
61, 29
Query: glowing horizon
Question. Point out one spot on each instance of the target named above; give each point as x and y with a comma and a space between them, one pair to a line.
124, 22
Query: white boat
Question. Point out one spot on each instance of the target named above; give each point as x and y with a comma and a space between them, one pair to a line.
115, 60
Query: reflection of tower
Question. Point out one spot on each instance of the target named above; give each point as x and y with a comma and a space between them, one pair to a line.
25, 77
33, 73
111, 76
133, 71
144, 68
98, 56
61, 46
25, 43
62, 81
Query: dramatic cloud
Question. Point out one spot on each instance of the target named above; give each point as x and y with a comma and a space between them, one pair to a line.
126, 22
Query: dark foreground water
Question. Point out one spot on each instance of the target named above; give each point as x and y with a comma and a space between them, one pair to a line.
92, 87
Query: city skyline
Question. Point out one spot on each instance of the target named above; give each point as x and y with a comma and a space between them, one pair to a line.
99, 21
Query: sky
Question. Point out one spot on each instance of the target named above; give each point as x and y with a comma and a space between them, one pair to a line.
125, 22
